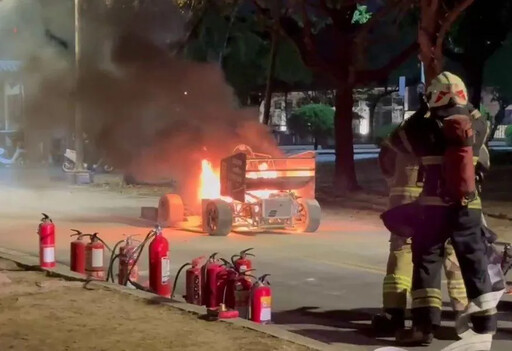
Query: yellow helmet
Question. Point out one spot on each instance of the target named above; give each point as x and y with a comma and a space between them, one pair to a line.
447, 87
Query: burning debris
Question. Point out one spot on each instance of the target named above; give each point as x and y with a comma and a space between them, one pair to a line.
253, 191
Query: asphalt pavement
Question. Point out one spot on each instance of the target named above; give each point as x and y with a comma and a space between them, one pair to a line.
326, 285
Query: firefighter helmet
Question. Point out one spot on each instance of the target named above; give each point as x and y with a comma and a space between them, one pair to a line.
446, 88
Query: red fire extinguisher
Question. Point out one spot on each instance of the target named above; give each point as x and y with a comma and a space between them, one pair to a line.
159, 265
214, 275
242, 263
94, 251
193, 282
127, 266
261, 301
46, 232
77, 252
238, 292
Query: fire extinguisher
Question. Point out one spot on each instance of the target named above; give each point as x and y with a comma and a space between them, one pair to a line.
193, 281
242, 263
46, 232
214, 275
261, 301
238, 292
94, 251
159, 265
77, 252
127, 268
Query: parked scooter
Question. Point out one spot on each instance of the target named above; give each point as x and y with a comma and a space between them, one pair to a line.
70, 161
17, 159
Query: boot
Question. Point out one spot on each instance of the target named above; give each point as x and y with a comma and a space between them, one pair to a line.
388, 323
415, 337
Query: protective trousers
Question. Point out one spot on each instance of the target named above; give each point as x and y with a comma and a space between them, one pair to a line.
398, 279
463, 226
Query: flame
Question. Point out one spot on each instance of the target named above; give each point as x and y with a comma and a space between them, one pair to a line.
264, 172
209, 185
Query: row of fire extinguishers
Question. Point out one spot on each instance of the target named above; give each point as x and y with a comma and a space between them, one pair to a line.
227, 289
87, 258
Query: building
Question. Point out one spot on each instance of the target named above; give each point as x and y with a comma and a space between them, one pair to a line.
387, 108
11, 104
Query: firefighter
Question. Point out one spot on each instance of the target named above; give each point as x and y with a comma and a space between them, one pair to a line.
400, 168
447, 216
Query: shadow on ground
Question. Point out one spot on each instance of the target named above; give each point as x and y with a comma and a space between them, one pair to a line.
343, 326
354, 326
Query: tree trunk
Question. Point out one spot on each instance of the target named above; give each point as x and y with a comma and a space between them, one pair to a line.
345, 179
373, 107
315, 139
270, 77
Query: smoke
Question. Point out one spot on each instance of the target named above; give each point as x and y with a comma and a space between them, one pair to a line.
152, 114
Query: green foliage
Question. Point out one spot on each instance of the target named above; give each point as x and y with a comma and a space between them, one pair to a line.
316, 120
384, 131
246, 56
361, 14
289, 66
497, 73
508, 135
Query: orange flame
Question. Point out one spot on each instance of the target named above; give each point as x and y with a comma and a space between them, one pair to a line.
264, 172
209, 185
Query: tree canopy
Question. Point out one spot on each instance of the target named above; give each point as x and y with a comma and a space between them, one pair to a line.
314, 120
244, 43
480, 31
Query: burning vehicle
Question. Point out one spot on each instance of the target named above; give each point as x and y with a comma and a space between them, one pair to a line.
252, 191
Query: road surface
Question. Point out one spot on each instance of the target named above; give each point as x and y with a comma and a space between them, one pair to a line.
325, 285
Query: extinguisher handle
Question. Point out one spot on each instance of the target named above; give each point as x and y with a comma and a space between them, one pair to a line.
226, 262
77, 232
212, 256
46, 218
263, 278
245, 252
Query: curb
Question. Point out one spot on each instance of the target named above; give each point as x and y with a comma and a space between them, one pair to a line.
31, 262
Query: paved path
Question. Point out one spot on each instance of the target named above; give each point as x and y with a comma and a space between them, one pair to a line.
326, 285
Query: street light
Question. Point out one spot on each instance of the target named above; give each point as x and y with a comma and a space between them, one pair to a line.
79, 142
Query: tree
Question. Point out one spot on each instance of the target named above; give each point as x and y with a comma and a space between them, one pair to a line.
246, 50
436, 19
479, 33
335, 39
315, 120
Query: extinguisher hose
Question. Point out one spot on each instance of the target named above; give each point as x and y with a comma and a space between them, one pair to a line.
177, 276
104, 243
140, 248
110, 272
113, 257
138, 286
233, 259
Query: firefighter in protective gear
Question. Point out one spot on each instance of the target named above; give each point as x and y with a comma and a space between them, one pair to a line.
447, 218
400, 167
